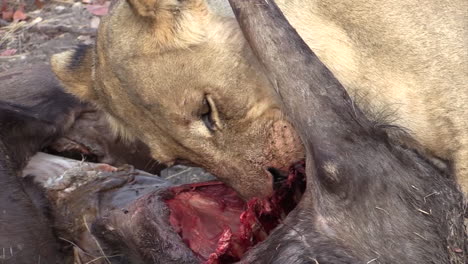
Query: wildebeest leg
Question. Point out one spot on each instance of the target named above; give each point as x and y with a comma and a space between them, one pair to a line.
316, 102
361, 189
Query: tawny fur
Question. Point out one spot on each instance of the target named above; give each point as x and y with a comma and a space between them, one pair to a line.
155, 60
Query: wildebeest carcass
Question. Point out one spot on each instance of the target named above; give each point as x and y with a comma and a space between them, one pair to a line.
367, 199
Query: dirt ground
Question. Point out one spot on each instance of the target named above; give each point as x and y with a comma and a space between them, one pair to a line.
61, 25
57, 26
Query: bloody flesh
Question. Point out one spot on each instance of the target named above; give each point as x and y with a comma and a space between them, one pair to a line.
219, 227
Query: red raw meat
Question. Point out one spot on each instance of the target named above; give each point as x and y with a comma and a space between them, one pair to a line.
219, 226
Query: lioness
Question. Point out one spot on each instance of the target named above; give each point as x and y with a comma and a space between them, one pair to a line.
183, 79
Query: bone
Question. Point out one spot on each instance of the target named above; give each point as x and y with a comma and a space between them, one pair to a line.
55, 172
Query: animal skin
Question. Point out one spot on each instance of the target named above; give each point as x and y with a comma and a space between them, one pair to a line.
37, 115
183, 80
30, 119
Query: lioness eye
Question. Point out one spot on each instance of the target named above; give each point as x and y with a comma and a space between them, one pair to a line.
207, 115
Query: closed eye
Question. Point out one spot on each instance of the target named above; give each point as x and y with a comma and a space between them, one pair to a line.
207, 115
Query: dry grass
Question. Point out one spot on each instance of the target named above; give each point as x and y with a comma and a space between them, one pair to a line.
13, 33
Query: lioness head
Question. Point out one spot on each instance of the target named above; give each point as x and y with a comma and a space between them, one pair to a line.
183, 80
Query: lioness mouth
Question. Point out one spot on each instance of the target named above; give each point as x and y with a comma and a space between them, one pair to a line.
219, 227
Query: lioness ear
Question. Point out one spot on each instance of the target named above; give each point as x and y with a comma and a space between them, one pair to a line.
74, 69
165, 8
176, 23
